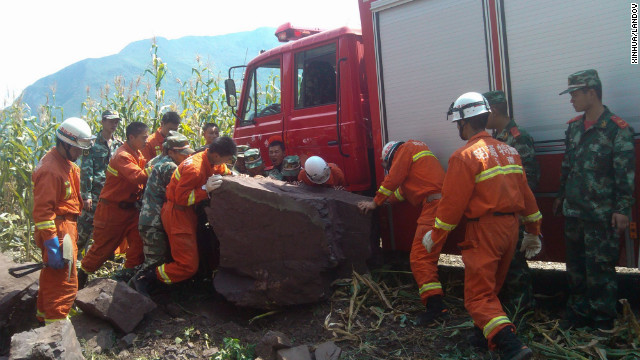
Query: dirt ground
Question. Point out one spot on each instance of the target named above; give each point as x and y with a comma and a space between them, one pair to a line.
368, 317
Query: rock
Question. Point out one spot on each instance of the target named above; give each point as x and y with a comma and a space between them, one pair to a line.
17, 301
127, 340
210, 352
270, 343
297, 353
54, 341
97, 333
115, 302
328, 351
296, 241
124, 354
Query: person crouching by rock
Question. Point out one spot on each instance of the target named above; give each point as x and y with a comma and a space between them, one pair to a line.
238, 166
253, 162
318, 172
291, 168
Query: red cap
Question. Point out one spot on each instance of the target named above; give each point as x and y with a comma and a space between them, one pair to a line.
275, 138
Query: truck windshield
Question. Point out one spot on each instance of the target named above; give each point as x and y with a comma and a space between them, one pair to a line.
263, 93
316, 72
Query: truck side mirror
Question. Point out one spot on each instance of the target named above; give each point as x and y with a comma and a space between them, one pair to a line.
230, 90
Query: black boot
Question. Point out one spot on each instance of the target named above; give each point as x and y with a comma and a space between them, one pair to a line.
145, 281
436, 310
510, 346
477, 339
82, 278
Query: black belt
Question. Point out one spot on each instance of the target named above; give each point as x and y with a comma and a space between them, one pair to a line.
121, 204
497, 213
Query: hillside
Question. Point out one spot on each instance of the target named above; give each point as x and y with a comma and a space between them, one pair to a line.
220, 52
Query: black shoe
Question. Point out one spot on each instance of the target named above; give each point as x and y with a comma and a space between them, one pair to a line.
145, 281
435, 311
510, 346
477, 339
82, 279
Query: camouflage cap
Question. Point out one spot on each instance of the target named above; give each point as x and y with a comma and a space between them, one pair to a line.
495, 97
291, 165
178, 142
241, 149
252, 158
110, 114
582, 79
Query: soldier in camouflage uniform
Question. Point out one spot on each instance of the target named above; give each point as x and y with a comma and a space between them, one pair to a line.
276, 155
516, 294
291, 168
155, 245
92, 175
596, 194
253, 162
239, 166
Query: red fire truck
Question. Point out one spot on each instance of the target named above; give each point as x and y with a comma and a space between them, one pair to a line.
343, 93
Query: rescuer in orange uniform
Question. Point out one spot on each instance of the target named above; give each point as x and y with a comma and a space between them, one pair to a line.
56, 206
170, 122
317, 172
486, 183
192, 182
116, 216
415, 174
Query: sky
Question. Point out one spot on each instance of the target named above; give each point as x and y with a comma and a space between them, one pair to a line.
40, 37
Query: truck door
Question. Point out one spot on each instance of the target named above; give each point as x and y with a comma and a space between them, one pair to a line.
261, 116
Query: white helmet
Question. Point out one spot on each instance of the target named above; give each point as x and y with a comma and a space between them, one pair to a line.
75, 131
317, 170
388, 150
468, 105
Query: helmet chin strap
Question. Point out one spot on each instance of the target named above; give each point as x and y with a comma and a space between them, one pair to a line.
461, 128
66, 148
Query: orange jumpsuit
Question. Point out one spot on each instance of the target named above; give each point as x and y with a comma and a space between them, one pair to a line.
416, 175
486, 183
178, 215
116, 216
56, 205
154, 146
335, 179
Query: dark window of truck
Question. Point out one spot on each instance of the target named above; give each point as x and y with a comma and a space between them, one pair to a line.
263, 95
316, 80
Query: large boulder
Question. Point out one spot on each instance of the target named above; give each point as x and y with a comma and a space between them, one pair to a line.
115, 302
17, 301
283, 244
54, 341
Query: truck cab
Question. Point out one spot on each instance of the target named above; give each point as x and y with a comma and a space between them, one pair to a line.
312, 93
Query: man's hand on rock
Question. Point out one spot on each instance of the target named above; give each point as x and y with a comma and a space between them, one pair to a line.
366, 206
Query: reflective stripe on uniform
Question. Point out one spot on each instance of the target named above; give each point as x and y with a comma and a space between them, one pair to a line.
443, 225
147, 170
422, 154
430, 286
192, 198
493, 324
398, 195
48, 224
39, 313
163, 274
49, 321
384, 191
498, 170
533, 217
67, 190
177, 174
112, 171
158, 150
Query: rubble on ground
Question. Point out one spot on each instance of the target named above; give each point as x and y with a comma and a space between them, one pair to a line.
283, 244
54, 341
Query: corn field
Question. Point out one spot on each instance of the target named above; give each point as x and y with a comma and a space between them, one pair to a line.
26, 135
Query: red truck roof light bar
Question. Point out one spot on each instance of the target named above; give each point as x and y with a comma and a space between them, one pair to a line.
286, 32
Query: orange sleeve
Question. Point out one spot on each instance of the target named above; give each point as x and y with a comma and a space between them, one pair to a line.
459, 184
531, 216
47, 190
337, 175
397, 174
188, 189
128, 167
302, 176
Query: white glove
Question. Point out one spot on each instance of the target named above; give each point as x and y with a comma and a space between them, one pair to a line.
427, 242
531, 245
214, 182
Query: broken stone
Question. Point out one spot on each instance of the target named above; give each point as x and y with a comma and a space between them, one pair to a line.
283, 244
127, 340
328, 351
97, 333
124, 354
297, 353
54, 341
270, 343
17, 301
210, 352
115, 302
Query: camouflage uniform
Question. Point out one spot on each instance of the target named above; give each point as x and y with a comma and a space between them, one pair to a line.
517, 291
597, 180
274, 173
92, 178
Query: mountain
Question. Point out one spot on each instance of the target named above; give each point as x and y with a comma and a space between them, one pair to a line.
222, 52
